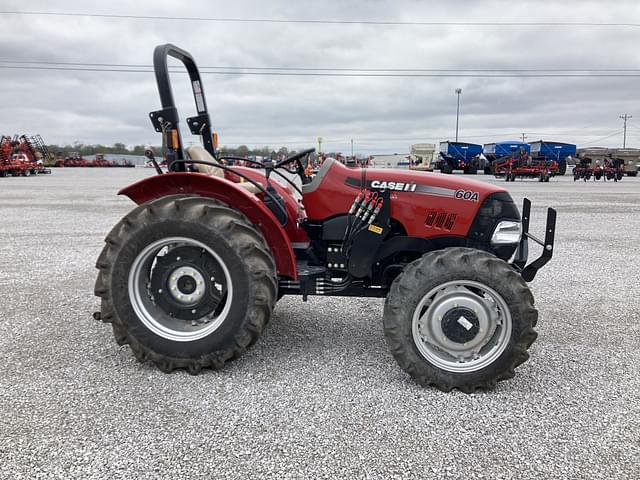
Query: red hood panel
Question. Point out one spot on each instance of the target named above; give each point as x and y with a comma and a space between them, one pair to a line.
427, 204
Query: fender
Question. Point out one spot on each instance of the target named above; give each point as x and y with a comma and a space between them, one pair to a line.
227, 192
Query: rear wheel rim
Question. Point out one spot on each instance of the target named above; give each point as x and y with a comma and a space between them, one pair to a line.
462, 326
182, 288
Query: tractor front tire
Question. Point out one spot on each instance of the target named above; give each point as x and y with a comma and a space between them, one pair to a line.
187, 282
459, 318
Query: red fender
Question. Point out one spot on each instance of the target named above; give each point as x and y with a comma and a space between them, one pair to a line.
226, 191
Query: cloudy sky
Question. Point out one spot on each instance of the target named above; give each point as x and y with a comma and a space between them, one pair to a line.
380, 113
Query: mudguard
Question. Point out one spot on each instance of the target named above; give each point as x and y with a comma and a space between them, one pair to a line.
227, 192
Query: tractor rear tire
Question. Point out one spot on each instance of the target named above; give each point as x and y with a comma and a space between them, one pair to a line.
459, 318
139, 274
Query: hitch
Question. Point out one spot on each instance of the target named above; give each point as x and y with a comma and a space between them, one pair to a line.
528, 272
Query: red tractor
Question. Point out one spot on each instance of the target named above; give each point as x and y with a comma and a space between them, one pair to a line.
190, 277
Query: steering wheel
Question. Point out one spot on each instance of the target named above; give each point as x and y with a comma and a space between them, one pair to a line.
296, 157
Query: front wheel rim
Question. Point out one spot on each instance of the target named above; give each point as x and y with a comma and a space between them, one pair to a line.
155, 317
462, 326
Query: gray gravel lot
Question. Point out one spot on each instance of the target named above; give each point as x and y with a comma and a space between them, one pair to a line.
319, 396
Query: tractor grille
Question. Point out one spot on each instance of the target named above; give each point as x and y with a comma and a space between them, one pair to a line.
440, 220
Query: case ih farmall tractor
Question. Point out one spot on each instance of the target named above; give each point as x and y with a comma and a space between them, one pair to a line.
190, 277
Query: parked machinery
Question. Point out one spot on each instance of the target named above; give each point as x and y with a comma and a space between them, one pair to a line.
459, 156
521, 165
498, 151
553, 151
597, 163
75, 159
629, 158
422, 156
189, 278
22, 155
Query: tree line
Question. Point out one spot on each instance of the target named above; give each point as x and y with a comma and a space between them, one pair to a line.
61, 151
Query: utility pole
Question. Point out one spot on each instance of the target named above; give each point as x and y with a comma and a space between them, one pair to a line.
458, 92
352, 148
319, 145
625, 117
523, 137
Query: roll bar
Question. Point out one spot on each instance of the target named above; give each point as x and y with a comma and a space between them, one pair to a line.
167, 119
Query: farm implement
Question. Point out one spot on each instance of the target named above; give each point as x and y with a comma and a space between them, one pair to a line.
597, 163
23, 156
522, 166
76, 160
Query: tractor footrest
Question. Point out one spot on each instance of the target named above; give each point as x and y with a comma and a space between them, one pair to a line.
308, 278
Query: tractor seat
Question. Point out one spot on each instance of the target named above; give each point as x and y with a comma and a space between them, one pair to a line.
317, 180
197, 152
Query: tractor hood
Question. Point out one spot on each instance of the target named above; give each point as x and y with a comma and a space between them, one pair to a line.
436, 183
416, 197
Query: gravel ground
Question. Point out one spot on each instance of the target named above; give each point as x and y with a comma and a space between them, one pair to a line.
319, 396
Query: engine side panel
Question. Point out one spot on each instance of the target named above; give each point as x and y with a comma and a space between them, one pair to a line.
428, 205
227, 192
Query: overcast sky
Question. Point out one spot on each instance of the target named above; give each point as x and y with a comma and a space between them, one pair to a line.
380, 114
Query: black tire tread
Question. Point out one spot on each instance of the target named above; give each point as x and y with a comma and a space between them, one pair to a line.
239, 232
443, 265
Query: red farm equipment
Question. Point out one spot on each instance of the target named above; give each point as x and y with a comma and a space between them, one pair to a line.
22, 155
101, 161
73, 160
190, 277
521, 165
597, 163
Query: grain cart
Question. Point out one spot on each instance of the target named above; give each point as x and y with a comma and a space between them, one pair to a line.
190, 277
500, 151
422, 156
459, 156
553, 151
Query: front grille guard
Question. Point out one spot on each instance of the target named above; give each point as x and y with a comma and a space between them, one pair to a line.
528, 272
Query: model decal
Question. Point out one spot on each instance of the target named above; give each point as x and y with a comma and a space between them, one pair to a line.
467, 195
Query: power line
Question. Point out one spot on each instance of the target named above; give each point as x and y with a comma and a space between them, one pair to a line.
625, 117
346, 138
337, 69
339, 74
616, 132
328, 21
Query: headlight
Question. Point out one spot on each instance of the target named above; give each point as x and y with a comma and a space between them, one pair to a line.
507, 231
